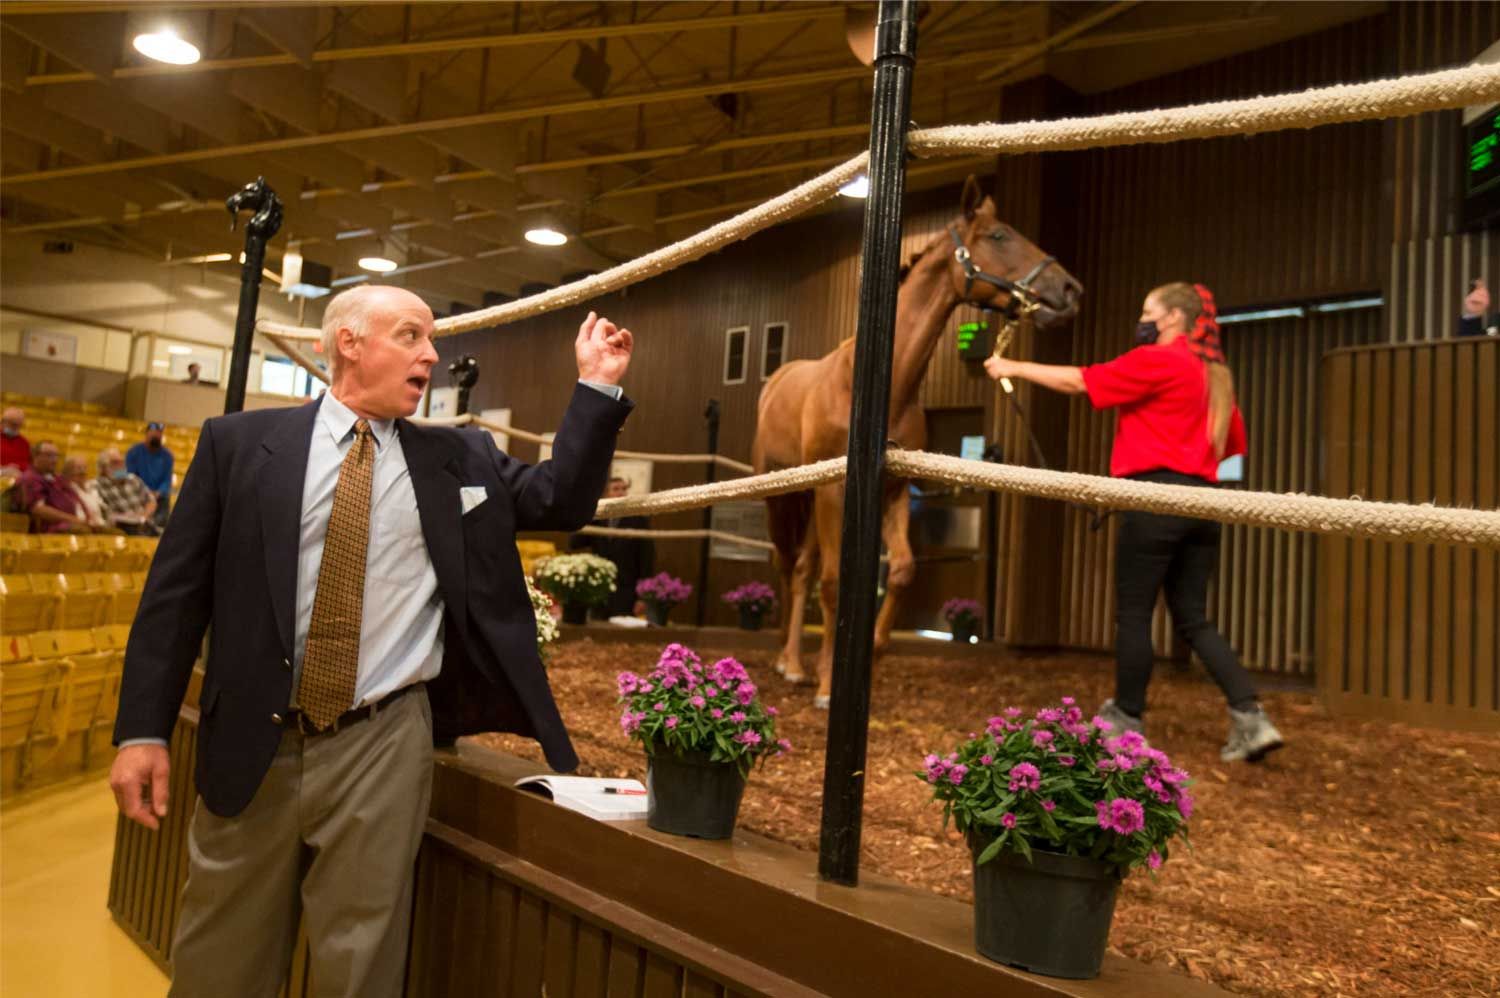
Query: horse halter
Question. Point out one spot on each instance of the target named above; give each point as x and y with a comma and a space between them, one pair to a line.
1022, 297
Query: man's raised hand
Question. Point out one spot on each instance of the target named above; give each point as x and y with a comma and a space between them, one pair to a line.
603, 350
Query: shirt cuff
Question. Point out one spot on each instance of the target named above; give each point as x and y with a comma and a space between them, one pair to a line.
143, 741
613, 391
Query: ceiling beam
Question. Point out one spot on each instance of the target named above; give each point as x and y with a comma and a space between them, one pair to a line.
586, 33
811, 78
1072, 31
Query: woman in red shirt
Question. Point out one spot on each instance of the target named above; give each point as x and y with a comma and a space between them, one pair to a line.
1178, 420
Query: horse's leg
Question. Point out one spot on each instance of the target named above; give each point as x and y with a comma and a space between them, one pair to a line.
901, 567
790, 663
828, 518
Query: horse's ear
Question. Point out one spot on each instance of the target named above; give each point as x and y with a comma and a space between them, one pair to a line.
972, 197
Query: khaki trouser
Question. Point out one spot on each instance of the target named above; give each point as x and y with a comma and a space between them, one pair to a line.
332, 835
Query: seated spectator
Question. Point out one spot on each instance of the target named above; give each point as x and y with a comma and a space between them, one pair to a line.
127, 503
75, 474
1476, 318
47, 497
194, 370
151, 462
15, 450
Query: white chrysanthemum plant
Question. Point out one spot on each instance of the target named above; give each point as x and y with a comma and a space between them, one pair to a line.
546, 626
577, 578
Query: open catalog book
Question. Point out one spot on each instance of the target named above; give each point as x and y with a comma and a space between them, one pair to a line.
602, 798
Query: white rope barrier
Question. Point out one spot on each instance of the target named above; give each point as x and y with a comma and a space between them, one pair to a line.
1400, 97
652, 534
468, 419
1283, 511
1345, 102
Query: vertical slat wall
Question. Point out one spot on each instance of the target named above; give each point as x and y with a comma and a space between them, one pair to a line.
1408, 631
1432, 261
1260, 220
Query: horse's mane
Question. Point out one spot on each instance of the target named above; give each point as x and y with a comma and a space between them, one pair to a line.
906, 268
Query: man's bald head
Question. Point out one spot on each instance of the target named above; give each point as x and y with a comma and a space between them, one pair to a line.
354, 308
379, 345
13, 418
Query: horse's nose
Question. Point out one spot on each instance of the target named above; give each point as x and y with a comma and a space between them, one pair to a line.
1072, 290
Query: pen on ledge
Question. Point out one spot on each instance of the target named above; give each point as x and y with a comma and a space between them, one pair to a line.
625, 790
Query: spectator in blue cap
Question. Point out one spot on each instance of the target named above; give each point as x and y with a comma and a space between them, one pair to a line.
151, 462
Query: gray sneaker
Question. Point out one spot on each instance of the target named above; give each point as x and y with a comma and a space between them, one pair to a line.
1251, 736
1122, 721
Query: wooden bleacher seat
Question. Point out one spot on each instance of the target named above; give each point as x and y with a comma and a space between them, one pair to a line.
79, 606
33, 712
23, 613
22, 553
15, 523
112, 637
16, 584
532, 551
123, 606
93, 697
14, 648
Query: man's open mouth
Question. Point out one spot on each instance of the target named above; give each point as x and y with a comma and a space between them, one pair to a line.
419, 383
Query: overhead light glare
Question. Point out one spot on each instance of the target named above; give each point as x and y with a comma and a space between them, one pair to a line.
180, 350
165, 45
859, 187
377, 264
545, 236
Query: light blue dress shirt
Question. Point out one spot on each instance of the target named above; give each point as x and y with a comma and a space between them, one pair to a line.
401, 633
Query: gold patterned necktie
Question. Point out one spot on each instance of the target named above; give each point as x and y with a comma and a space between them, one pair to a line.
331, 662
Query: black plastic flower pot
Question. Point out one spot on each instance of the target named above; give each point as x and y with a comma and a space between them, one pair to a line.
575, 613
964, 633
750, 618
1049, 916
689, 795
656, 613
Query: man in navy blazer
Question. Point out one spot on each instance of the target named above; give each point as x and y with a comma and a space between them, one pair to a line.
324, 819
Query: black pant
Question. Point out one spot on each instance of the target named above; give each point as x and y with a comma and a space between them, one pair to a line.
1179, 553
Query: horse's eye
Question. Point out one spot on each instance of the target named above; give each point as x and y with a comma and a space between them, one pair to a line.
998, 235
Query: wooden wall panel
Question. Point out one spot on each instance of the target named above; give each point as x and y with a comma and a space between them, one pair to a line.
1407, 630
1431, 260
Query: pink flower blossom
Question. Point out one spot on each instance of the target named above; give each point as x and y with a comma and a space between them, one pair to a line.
747, 738
1153, 860
986, 760
698, 702
1049, 805
1008, 820
738, 717
716, 713
671, 722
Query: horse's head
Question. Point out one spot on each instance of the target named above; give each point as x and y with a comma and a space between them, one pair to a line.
993, 265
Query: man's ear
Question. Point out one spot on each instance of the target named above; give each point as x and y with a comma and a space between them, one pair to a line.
348, 344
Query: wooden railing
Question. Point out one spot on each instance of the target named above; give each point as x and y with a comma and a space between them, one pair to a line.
517, 897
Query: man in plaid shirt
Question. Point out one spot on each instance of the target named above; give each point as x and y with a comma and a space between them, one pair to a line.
128, 503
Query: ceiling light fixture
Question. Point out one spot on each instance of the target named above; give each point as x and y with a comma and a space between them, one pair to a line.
859, 187
545, 236
377, 264
181, 350
166, 45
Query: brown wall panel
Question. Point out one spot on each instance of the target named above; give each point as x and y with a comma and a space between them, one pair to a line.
1411, 627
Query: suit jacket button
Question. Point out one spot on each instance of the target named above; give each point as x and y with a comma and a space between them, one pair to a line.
275, 718
286, 662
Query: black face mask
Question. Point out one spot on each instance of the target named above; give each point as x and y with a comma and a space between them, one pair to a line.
1146, 333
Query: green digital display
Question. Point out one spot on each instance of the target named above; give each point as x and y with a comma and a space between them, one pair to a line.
1482, 138
975, 341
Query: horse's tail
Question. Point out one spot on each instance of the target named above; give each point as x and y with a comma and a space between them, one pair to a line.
788, 519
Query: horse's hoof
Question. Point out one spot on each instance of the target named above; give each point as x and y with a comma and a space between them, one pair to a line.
821, 702
780, 668
797, 680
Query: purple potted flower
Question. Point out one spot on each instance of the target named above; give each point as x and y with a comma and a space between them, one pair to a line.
753, 600
1057, 809
964, 616
703, 727
661, 592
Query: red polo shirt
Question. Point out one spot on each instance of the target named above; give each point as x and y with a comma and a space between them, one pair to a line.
15, 452
1162, 395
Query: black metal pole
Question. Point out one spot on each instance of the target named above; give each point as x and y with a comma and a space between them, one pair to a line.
869, 415
711, 413
261, 199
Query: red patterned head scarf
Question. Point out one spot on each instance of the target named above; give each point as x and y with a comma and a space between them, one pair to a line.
1203, 338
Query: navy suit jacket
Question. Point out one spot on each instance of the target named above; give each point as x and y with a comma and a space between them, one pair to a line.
229, 557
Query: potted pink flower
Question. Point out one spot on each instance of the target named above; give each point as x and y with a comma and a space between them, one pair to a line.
703, 727
964, 616
753, 600
660, 593
1056, 810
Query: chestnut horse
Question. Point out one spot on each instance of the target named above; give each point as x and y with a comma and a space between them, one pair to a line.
804, 410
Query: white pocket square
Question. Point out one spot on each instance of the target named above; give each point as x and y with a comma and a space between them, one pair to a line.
472, 496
